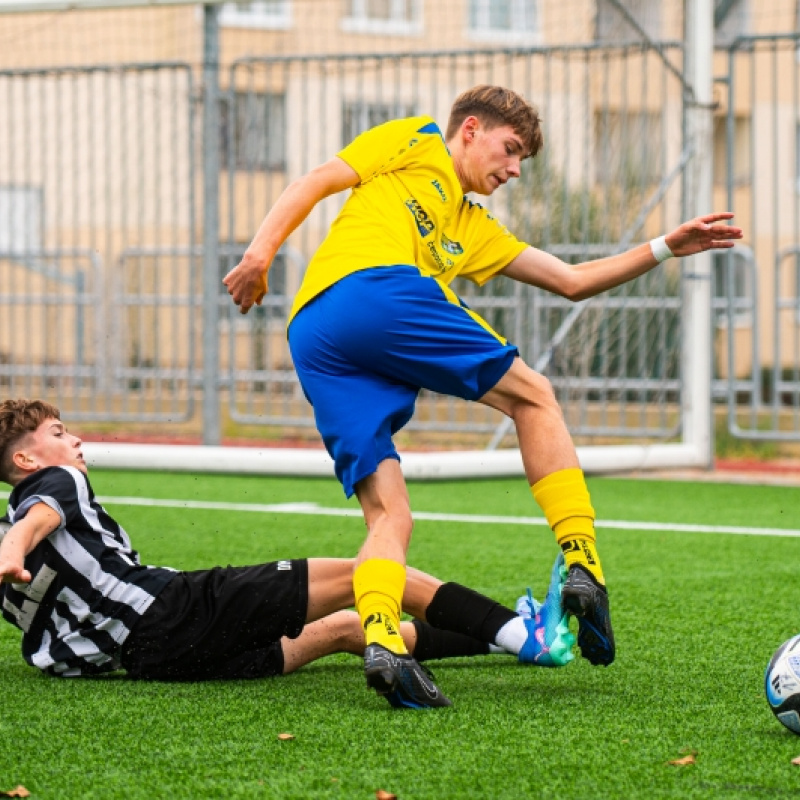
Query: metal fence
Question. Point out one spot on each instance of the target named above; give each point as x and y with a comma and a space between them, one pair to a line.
757, 291
613, 133
97, 185
102, 243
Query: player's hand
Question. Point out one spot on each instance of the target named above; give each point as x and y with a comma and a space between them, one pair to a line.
703, 233
247, 282
13, 573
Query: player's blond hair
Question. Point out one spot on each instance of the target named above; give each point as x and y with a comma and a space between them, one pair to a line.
495, 106
18, 418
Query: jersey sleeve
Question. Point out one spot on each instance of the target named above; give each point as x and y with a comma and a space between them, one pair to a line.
57, 488
388, 147
490, 245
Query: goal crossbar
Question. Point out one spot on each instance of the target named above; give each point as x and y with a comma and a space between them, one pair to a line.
447, 465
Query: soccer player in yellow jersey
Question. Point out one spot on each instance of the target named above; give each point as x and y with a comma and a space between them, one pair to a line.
375, 320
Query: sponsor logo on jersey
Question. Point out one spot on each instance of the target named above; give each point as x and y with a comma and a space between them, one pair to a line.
436, 257
449, 246
424, 222
438, 187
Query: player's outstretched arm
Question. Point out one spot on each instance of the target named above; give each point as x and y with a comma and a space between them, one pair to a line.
247, 281
21, 538
579, 281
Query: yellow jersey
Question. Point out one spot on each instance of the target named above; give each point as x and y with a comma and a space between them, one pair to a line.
408, 208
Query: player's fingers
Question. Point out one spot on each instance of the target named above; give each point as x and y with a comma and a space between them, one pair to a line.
716, 217
723, 232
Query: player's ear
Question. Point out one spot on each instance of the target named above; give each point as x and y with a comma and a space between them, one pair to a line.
24, 461
469, 127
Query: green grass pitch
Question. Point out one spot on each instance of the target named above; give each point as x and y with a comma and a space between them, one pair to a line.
697, 617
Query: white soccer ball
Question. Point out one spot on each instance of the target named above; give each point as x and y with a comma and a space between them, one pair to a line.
782, 684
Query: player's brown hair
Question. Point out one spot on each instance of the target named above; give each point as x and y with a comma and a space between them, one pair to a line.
495, 106
18, 418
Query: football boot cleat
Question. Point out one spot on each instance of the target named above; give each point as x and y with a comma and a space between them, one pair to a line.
401, 679
587, 599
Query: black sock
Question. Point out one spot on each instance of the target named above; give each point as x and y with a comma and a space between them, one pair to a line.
461, 610
433, 643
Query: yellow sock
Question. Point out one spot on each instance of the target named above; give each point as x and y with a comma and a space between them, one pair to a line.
564, 498
378, 585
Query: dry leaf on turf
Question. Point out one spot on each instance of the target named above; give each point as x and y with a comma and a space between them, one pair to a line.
18, 791
285, 737
689, 758
382, 794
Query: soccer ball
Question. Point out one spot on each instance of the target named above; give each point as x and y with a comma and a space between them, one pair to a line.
782, 684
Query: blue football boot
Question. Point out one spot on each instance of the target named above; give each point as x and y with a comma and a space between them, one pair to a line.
550, 641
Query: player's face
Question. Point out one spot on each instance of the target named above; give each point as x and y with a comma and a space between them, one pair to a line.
51, 445
493, 158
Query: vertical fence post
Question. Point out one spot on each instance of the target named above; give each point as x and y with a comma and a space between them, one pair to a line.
697, 340
211, 278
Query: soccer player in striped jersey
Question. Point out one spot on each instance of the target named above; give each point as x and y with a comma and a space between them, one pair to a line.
71, 581
375, 320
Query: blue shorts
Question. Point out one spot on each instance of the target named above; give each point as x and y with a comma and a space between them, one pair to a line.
365, 347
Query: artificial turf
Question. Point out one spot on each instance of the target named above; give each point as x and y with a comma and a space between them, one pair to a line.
697, 617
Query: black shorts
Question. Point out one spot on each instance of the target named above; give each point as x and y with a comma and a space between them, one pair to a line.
221, 623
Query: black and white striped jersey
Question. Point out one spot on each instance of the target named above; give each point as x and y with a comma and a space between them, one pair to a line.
88, 588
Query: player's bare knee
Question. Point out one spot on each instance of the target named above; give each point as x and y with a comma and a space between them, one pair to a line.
535, 395
348, 632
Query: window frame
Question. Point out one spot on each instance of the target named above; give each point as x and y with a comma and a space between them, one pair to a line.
21, 211
360, 22
231, 16
742, 318
229, 129
482, 31
394, 109
654, 28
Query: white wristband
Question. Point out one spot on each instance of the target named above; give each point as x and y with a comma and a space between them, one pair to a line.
660, 248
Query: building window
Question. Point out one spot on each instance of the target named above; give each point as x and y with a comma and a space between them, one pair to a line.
629, 147
733, 273
20, 220
504, 20
387, 17
731, 20
253, 131
741, 150
613, 27
360, 116
269, 14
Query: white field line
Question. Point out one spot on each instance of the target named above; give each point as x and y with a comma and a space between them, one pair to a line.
313, 509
